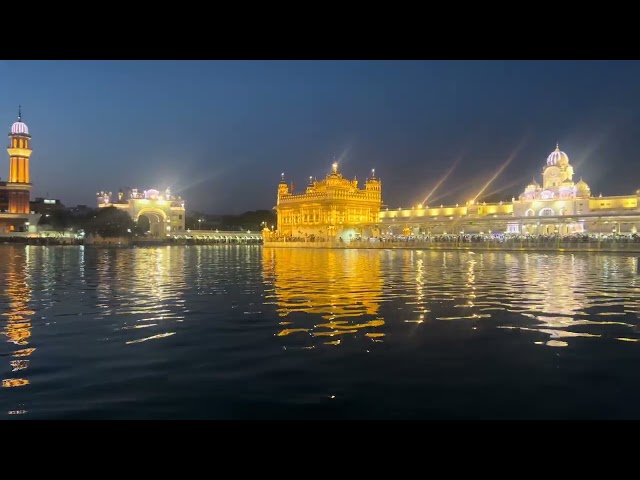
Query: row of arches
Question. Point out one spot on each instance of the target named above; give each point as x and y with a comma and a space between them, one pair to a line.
20, 143
545, 212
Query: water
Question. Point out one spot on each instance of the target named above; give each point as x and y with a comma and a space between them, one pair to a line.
251, 332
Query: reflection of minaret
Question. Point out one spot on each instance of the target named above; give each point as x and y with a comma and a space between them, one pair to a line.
19, 184
18, 322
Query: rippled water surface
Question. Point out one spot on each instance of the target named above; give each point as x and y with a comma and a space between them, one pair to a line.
251, 332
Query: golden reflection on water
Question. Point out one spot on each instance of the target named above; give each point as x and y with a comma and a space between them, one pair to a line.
564, 295
144, 286
17, 315
561, 296
341, 287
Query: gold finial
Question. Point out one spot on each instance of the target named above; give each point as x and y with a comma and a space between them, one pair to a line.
19, 113
557, 146
335, 167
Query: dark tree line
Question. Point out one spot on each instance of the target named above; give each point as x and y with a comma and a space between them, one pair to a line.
112, 222
106, 222
252, 220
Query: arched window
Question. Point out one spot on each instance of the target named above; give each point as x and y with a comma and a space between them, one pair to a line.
546, 212
563, 211
529, 213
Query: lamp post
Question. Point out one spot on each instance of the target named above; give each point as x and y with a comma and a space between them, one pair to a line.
199, 224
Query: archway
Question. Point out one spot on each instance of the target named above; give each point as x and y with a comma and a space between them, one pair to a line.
143, 224
157, 221
546, 212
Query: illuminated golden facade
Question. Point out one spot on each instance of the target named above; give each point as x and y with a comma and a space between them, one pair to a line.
558, 206
15, 210
166, 213
330, 209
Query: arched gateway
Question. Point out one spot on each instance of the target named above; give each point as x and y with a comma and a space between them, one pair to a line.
166, 213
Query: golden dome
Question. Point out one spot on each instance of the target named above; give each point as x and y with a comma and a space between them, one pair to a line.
582, 189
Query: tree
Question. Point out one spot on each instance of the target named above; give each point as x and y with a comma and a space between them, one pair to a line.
58, 220
252, 220
111, 222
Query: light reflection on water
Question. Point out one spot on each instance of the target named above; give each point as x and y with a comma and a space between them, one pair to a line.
222, 331
17, 314
330, 295
561, 296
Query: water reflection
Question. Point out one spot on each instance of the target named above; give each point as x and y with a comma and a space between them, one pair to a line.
564, 295
343, 288
17, 313
144, 287
560, 296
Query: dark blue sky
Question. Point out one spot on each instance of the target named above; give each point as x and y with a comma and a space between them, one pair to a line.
220, 133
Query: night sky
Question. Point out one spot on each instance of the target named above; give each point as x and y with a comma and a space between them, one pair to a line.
220, 133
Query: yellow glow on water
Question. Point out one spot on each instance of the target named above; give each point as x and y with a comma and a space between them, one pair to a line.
24, 352
289, 331
15, 382
332, 333
17, 326
340, 286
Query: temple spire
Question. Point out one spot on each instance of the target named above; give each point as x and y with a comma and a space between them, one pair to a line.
19, 113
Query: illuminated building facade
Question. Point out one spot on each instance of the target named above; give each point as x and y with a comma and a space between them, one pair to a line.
330, 209
557, 206
165, 212
15, 211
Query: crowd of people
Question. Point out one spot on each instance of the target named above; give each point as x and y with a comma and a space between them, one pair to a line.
463, 238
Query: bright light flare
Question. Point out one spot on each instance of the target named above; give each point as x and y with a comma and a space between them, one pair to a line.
503, 188
441, 181
502, 167
465, 186
211, 174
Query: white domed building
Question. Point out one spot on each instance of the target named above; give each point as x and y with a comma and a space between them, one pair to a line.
556, 197
567, 206
556, 206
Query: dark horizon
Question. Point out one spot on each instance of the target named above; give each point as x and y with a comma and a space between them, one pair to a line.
220, 133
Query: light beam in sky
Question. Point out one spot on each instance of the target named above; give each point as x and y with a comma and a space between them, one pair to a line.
442, 179
502, 167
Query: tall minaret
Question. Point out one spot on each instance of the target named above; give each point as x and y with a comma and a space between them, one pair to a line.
19, 184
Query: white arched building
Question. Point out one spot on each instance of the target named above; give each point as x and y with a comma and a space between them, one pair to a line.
558, 196
166, 213
559, 205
